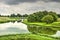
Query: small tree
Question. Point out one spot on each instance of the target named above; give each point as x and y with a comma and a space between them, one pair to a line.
32, 18
18, 15
54, 15
12, 15
25, 15
48, 19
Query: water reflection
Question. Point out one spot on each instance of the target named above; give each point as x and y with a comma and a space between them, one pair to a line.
41, 29
57, 34
13, 28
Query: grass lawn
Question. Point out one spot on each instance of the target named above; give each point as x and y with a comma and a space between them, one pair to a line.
25, 37
56, 24
7, 19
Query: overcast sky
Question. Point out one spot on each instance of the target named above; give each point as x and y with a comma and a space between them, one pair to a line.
28, 6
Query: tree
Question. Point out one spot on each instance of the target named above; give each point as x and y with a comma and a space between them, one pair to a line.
25, 15
39, 16
13, 15
31, 18
58, 15
54, 15
18, 15
47, 19
0, 15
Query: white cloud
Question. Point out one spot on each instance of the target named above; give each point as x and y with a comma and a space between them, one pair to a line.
28, 7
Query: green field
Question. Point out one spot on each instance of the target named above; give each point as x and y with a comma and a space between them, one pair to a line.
26, 37
56, 24
8, 19
39, 30
39, 27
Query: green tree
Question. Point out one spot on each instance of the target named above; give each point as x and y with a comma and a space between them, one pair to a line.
55, 16
18, 15
12, 15
47, 19
25, 15
37, 16
32, 18
58, 15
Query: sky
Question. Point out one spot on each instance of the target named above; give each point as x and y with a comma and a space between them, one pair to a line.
8, 7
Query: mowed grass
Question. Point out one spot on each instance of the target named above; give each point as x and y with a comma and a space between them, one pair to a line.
26, 37
57, 24
7, 19
54, 25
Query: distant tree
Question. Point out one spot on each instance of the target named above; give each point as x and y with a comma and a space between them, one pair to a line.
18, 15
31, 18
8, 16
58, 15
47, 19
13, 15
25, 15
39, 16
0, 15
45, 12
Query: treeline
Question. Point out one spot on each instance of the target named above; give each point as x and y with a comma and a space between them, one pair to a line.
58, 15
43, 16
14, 15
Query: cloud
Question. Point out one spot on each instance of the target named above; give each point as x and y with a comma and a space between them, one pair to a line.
56, 0
15, 2
28, 6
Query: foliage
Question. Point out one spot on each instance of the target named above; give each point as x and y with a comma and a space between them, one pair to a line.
55, 16
32, 18
55, 25
18, 15
25, 15
58, 15
41, 29
13, 15
37, 17
47, 19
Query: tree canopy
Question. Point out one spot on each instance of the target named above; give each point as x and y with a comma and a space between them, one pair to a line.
43, 15
47, 19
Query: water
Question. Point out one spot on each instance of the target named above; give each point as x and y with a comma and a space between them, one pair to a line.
17, 28
57, 34
13, 28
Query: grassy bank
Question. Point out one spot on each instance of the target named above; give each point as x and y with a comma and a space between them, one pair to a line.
26, 37
39, 27
54, 24
8, 19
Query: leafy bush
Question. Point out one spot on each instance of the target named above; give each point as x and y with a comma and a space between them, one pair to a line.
48, 19
40, 16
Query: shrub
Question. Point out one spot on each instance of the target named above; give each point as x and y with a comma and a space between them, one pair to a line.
43, 16
47, 19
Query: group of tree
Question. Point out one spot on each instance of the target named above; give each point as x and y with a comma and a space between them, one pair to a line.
43, 16
14, 15
18, 15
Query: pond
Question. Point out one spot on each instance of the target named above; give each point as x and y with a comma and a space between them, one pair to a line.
13, 28
20, 28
